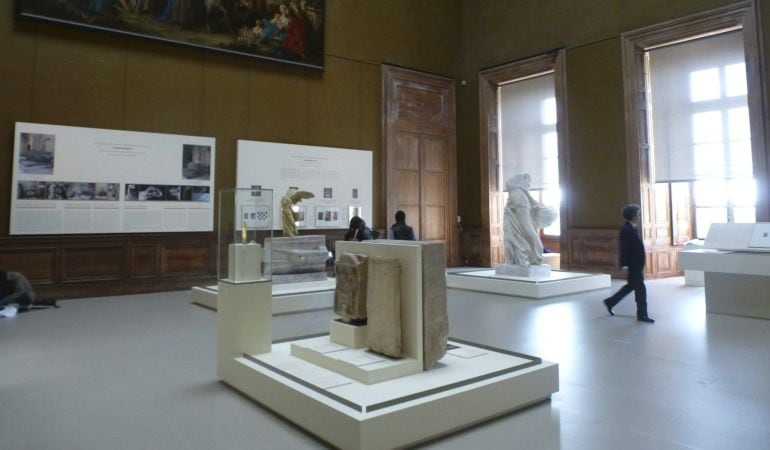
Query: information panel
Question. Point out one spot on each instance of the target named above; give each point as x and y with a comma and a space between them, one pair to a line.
74, 180
339, 179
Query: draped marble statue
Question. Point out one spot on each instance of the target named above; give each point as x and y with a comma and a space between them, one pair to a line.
522, 218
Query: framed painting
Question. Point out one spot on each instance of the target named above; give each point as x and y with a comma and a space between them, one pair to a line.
284, 31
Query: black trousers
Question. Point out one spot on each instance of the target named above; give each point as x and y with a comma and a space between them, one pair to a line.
634, 282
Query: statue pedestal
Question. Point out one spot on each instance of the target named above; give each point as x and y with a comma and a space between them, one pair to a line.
533, 271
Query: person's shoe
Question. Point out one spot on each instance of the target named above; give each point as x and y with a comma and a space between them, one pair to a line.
645, 319
607, 305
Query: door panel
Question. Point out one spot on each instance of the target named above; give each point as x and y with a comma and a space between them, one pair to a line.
407, 151
433, 188
433, 156
420, 160
433, 225
408, 190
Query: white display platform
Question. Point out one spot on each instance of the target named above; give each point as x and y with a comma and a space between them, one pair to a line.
736, 269
558, 283
356, 363
737, 283
470, 384
287, 298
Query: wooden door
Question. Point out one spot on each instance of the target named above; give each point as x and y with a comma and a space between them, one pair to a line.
420, 160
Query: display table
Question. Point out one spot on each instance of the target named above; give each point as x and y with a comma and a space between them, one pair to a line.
736, 269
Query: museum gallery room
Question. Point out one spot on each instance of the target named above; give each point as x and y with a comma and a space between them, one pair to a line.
371, 224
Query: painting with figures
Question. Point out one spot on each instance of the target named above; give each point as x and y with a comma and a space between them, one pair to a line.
286, 31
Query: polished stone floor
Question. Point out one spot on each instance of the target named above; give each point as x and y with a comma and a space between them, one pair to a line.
138, 372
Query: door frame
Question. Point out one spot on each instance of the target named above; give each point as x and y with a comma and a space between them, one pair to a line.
442, 125
489, 138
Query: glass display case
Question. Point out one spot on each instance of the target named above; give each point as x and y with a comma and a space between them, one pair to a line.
245, 222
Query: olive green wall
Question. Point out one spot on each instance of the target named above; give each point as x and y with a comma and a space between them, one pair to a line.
496, 32
67, 76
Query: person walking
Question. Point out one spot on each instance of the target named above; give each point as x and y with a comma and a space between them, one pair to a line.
632, 262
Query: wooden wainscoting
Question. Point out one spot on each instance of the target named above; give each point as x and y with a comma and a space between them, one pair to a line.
594, 250
87, 266
597, 250
76, 266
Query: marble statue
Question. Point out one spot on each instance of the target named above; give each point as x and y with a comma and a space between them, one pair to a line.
288, 216
522, 218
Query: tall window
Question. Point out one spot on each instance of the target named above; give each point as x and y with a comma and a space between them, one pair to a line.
701, 141
529, 140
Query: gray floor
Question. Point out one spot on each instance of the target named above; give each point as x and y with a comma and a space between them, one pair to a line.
137, 372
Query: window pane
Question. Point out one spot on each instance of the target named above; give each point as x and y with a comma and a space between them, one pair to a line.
549, 111
744, 215
707, 127
709, 161
550, 160
704, 85
740, 160
738, 123
735, 80
552, 198
710, 193
704, 217
743, 192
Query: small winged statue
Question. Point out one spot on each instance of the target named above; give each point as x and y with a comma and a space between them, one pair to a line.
288, 216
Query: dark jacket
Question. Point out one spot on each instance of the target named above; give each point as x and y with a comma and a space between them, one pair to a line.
360, 234
631, 248
402, 231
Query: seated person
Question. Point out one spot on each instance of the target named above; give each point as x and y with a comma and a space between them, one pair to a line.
14, 288
400, 230
359, 231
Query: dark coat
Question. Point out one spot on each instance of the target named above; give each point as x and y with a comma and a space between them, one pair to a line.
631, 248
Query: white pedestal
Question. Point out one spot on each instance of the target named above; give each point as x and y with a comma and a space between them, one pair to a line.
287, 298
358, 364
472, 383
245, 262
244, 321
557, 283
737, 283
351, 336
553, 260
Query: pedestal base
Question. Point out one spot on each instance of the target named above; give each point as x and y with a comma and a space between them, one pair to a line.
533, 271
472, 383
351, 336
557, 283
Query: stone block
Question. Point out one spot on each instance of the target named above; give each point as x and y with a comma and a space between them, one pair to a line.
383, 299
434, 307
350, 291
297, 259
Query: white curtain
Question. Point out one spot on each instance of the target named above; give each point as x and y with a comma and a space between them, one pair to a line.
700, 118
528, 131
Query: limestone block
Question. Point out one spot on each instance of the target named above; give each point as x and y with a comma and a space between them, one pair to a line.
350, 292
297, 259
383, 299
434, 307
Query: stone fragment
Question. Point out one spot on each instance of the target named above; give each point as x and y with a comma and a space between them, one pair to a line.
350, 292
297, 259
384, 306
434, 307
